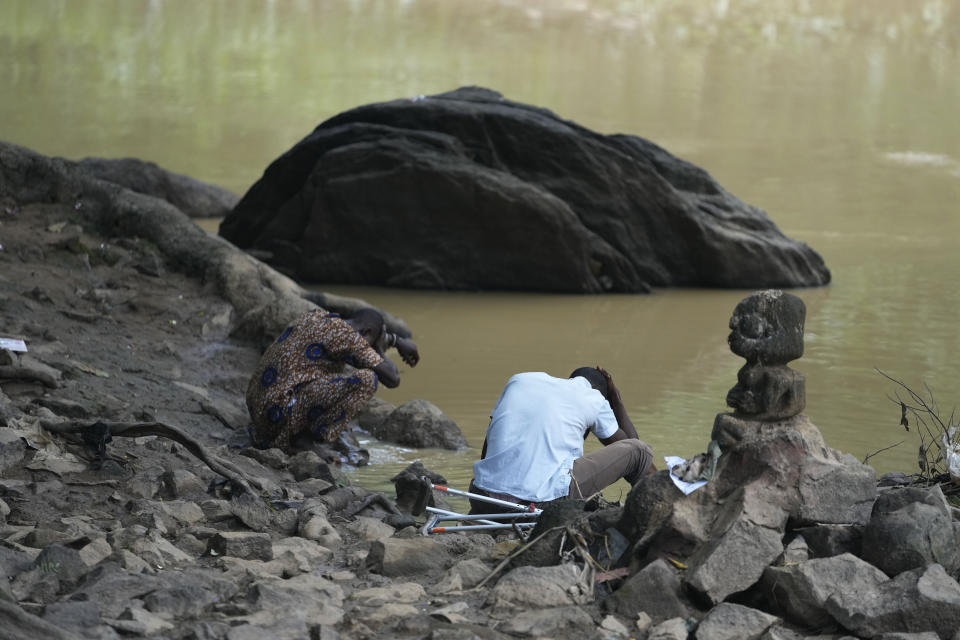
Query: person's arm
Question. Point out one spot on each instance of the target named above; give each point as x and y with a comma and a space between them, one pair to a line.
386, 370
408, 351
626, 430
387, 373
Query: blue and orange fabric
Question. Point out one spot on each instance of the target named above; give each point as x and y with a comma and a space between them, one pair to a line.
316, 376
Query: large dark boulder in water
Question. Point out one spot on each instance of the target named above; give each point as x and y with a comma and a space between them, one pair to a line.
468, 190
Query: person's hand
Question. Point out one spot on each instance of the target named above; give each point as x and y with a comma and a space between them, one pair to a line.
612, 392
408, 351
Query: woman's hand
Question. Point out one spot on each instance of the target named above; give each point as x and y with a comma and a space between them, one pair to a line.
408, 351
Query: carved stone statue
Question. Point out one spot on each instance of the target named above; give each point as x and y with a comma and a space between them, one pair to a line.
767, 330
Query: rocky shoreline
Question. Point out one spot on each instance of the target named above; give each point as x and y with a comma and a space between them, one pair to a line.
134, 316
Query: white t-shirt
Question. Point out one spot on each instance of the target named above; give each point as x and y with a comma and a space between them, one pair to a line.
536, 432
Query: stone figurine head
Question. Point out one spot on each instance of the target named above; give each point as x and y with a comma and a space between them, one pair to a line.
767, 327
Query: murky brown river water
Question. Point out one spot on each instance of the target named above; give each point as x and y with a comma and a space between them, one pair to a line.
841, 118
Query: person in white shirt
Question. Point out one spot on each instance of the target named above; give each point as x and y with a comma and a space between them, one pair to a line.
533, 450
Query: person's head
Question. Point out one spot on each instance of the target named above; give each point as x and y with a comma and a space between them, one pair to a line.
594, 377
368, 323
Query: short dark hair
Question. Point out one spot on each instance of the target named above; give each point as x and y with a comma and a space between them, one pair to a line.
594, 377
367, 319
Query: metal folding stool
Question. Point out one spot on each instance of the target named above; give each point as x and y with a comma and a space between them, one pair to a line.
523, 517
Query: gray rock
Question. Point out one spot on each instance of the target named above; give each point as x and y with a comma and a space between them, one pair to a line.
467, 545
835, 489
150, 546
308, 597
802, 590
781, 633
230, 411
826, 540
733, 561
191, 545
895, 479
95, 551
143, 485
369, 529
252, 511
728, 621
602, 213
131, 562
280, 630
12, 446
9, 414
922, 635
312, 487
216, 510
611, 624
654, 590
111, 589
444, 631
82, 618
307, 464
183, 512
272, 458
397, 592
910, 527
185, 600
208, 630
65, 562
136, 620
17, 624
549, 622
470, 572
918, 600
36, 585
42, 537
291, 556
796, 551
241, 544
394, 557
180, 483
372, 415
648, 510
14, 561
420, 424
539, 587
672, 629
319, 529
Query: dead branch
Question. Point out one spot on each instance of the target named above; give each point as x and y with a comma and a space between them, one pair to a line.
140, 429
917, 398
931, 428
881, 451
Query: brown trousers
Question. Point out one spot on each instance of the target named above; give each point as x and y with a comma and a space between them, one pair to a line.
628, 459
